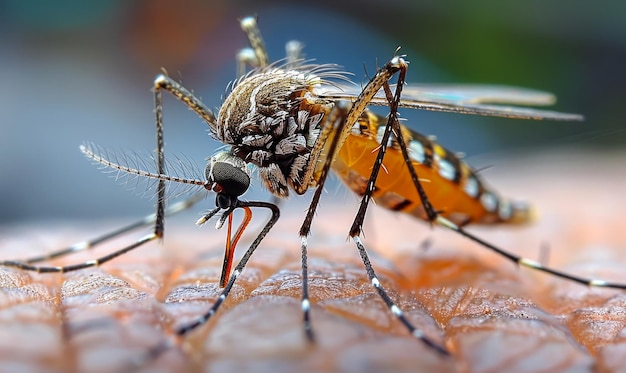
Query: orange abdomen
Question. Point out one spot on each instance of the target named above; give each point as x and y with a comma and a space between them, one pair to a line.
452, 187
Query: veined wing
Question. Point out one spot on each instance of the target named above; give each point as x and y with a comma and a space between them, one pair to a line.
487, 100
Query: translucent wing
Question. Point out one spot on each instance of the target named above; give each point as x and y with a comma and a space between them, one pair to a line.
487, 100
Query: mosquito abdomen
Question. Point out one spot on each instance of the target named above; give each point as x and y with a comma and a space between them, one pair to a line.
452, 187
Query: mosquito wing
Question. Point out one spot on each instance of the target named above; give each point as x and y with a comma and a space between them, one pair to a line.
487, 100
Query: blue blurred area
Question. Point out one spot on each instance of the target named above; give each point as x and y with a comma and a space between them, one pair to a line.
75, 71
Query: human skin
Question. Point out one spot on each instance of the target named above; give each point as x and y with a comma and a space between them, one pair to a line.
489, 314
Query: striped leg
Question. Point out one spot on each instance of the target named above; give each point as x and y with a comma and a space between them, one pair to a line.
397, 64
161, 82
165, 345
530, 263
433, 214
29, 263
355, 230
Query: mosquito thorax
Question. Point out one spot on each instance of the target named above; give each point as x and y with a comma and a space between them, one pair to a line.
227, 175
272, 119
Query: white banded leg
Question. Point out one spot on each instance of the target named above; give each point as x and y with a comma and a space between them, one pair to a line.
165, 345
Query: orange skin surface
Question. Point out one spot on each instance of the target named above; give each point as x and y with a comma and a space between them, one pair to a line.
490, 315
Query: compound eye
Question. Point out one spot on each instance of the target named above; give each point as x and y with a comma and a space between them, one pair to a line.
233, 180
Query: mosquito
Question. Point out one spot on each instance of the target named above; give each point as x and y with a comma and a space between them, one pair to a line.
295, 121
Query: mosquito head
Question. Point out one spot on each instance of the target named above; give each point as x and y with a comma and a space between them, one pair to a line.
227, 175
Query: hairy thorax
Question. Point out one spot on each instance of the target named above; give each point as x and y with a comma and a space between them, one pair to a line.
273, 119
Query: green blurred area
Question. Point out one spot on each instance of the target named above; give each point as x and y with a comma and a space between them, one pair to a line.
576, 49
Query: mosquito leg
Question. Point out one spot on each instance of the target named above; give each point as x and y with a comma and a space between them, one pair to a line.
392, 125
530, 263
341, 133
355, 230
160, 213
164, 82
305, 303
238, 269
440, 220
240, 266
27, 265
87, 245
358, 222
256, 55
431, 213
417, 333
250, 27
87, 264
161, 82
343, 130
293, 50
165, 345
245, 57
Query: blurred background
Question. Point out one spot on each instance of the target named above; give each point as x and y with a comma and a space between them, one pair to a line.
76, 71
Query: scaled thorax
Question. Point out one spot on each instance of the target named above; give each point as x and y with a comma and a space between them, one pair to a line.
272, 119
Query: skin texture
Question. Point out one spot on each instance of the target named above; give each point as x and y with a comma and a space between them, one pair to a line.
491, 316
